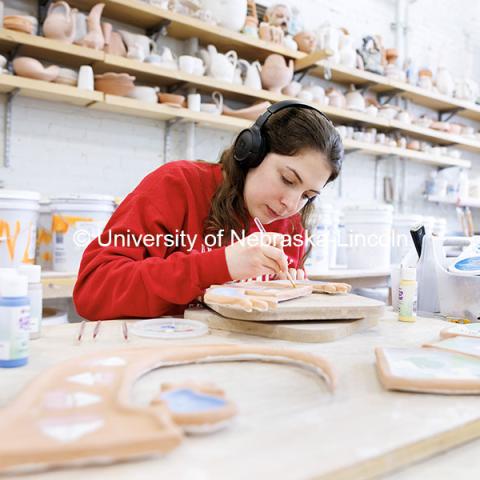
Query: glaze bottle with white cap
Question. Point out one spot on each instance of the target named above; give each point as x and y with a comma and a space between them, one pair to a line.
407, 295
14, 320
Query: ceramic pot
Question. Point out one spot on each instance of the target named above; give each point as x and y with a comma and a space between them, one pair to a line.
336, 98
60, 22
228, 13
355, 101
116, 45
276, 73
115, 83
31, 68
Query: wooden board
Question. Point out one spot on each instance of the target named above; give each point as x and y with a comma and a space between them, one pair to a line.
313, 307
304, 332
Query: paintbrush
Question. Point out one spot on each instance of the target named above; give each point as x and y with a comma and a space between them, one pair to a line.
97, 328
261, 228
80, 331
125, 330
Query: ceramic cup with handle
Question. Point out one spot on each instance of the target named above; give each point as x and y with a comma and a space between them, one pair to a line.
186, 63
85, 78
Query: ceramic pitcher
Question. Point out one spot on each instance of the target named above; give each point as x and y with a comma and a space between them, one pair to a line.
60, 22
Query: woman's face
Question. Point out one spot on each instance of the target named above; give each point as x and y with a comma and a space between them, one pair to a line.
281, 185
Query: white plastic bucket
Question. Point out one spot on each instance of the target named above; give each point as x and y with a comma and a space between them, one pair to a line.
76, 221
18, 227
369, 233
319, 259
402, 240
44, 251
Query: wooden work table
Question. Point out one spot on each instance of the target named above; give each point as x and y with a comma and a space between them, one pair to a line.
289, 425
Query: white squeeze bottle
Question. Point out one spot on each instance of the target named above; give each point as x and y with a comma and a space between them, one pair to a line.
35, 294
14, 320
407, 295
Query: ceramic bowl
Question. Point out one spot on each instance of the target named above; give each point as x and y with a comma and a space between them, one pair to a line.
20, 23
67, 76
31, 68
171, 99
210, 108
115, 83
144, 94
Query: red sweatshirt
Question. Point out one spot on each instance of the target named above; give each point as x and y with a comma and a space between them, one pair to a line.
143, 274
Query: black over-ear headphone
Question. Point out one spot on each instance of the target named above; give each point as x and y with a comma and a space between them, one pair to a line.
250, 146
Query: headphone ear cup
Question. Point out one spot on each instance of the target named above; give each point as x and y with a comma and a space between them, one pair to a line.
260, 151
248, 146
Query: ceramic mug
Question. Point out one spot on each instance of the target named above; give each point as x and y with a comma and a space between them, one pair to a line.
194, 102
186, 63
85, 78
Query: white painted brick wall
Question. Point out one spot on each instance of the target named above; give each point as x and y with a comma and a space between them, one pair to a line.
56, 148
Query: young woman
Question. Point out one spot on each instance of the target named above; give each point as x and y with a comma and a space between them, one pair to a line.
189, 225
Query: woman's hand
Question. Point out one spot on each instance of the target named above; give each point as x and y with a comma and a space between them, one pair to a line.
256, 255
295, 274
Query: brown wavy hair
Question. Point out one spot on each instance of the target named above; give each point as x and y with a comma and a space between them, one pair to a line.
286, 132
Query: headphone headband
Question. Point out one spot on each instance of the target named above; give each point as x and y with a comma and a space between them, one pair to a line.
250, 146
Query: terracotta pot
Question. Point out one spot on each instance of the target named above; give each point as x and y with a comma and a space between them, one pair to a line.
115, 83
171, 99
31, 68
94, 38
116, 45
275, 73
21, 23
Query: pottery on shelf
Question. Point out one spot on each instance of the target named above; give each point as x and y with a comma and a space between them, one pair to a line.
115, 83
31, 68
278, 15
94, 38
80, 27
292, 89
115, 46
252, 74
145, 94
270, 33
215, 108
138, 46
229, 14
347, 53
317, 91
306, 41
67, 76
60, 23
171, 99
250, 113
21, 23
218, 65
276, 73
372, 54
354, 100
336, 98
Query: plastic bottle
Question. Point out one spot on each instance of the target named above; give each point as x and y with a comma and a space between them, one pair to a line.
35, 293
407, 295
14, 320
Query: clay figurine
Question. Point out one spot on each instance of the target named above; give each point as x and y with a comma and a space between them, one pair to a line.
306, 41
278, 15
32, 68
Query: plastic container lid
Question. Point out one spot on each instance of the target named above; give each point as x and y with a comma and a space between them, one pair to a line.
83, 197
13, 285
32, 272
19, 195
169, 328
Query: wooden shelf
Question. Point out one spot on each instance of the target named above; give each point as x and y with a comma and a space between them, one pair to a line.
460, 202
182, 27
419, 157
48, 91
156, 75
48, 49
381, 84
130, 106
